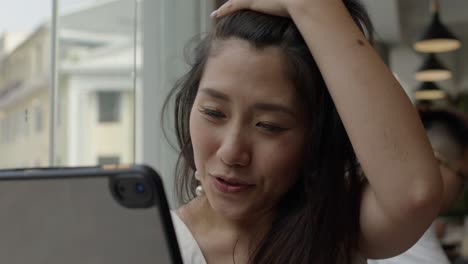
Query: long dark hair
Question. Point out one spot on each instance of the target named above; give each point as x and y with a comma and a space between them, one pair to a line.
317, 220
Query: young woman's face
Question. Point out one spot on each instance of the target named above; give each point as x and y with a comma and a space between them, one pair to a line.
247, 130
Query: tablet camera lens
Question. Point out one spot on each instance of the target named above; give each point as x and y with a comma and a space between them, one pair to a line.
140, 187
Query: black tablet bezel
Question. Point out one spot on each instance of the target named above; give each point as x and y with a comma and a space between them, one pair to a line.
108, 171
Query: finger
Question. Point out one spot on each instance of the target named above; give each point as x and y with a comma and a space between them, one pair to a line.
229, 7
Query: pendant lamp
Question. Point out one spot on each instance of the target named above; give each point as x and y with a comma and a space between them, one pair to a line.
429, 91
432, 70
437, 37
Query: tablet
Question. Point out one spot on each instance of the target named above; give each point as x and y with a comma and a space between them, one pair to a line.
112, 214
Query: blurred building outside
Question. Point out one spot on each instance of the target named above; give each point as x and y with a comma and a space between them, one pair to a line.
95, 102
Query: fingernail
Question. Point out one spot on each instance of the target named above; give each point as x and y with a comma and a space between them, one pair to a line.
214, 13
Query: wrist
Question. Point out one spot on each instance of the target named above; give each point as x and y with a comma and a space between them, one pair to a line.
311, 8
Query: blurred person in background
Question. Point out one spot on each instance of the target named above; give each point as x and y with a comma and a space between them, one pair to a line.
447, 130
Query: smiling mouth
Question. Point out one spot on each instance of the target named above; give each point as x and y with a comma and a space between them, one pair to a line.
231, 182
230, 186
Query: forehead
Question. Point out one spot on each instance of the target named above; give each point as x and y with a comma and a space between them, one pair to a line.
237, 67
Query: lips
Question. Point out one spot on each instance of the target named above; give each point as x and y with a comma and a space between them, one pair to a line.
230, 185
232, 181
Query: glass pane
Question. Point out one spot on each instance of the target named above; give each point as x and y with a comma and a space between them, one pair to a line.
96, 86
24, 82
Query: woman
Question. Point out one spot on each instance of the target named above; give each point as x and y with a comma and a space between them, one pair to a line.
261, 119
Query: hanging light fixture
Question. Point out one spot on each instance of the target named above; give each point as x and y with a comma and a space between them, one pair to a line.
437, 37
429, 91
432, 70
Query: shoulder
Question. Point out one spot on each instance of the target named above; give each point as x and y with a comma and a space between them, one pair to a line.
190, 250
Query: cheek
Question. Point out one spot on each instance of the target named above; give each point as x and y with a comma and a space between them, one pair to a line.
282, 163
202, 138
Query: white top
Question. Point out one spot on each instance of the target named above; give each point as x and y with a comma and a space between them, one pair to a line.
189, 249
427, 250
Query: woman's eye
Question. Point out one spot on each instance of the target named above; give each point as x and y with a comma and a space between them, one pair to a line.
270, 127
213, 113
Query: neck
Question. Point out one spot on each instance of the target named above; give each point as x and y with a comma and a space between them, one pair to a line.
246, 233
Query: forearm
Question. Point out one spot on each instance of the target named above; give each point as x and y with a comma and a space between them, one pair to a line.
380, 120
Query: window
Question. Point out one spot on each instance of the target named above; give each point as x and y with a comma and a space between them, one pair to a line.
23, 97
108, 106
3, 128
18, 123
38, 116
38, 59
26, 122
103, 160
95, 81
10, 127
100, 46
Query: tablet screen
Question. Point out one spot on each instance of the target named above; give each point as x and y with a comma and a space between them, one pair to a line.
58, 221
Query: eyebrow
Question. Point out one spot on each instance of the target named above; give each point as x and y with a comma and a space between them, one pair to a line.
215, 94
271, 107
274, 108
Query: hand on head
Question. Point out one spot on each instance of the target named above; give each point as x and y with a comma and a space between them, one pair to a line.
272, 7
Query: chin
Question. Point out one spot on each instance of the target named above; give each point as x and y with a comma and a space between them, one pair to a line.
229, 210
234, 214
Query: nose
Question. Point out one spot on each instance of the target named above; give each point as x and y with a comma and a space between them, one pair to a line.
235, 148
